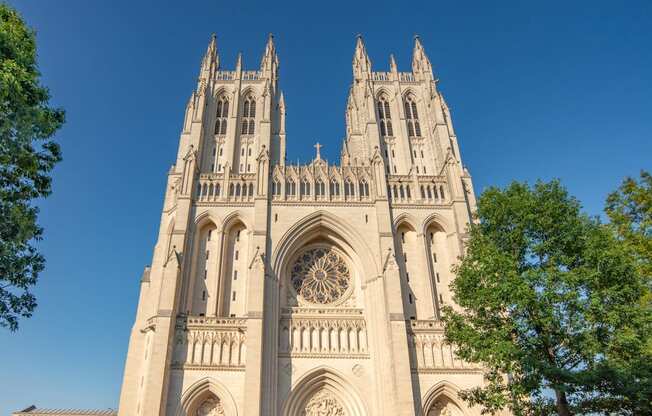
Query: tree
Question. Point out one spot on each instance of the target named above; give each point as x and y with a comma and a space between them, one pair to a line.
27, 156
630, 211
549, 304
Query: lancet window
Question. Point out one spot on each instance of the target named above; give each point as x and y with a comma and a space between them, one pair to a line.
412, 117
320, 189
248, 115
305, 187
384, 116
221, 115
335, 188
290, 188
349, 188
364, 189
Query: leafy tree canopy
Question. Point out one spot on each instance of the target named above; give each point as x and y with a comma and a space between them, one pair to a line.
630, 211
549, 303
27, 156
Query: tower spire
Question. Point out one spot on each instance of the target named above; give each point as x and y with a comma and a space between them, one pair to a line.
269, 63
420, 62
210, 63
361, 62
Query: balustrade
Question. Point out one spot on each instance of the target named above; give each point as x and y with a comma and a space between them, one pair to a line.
210, 342
335, 337
429, 350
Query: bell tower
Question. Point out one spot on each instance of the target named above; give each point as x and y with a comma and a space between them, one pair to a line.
301, 290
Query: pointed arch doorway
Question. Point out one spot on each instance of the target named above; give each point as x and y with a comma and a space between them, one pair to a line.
323, 392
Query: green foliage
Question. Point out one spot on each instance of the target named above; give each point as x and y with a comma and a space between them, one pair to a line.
550, 306
26, 158
630, 211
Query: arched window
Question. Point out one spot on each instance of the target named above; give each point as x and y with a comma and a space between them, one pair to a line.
290, 188
364, 188
248, 115
251, 189
335, 188
305, 187
384, 116
349, 188
412, 117
217, 190
221, 115
319, 188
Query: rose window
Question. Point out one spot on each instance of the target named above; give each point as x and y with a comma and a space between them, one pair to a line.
320, 275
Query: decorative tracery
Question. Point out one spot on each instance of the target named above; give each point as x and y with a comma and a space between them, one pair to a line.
320, 275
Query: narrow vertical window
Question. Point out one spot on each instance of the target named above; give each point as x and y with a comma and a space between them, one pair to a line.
384, 116
411, 116
221, 115
248, 115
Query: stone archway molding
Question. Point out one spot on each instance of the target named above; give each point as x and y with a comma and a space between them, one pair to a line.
201, 390
439, 390
314, 222
324, 380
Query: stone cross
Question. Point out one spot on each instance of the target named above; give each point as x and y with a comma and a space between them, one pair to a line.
318, 147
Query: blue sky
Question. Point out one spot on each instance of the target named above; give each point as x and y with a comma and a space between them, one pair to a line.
537, 90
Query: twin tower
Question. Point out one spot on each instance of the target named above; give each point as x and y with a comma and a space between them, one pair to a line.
305, 290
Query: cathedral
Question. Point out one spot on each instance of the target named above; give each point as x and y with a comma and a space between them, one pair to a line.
315, 289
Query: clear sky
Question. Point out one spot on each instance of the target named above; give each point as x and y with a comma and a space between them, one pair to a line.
537, 90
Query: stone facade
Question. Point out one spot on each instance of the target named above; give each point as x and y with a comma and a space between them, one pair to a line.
292, 290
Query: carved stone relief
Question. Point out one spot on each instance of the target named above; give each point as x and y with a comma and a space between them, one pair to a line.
323, 403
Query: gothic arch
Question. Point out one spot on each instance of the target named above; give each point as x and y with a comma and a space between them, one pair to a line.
202, 390
205, 218
410, 92
406, 218
306, 228
382, 91
440, 221
442, 391
222, 91
235, 217
330, 384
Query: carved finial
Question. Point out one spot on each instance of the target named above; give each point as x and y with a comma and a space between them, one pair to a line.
238, 62
392, 63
